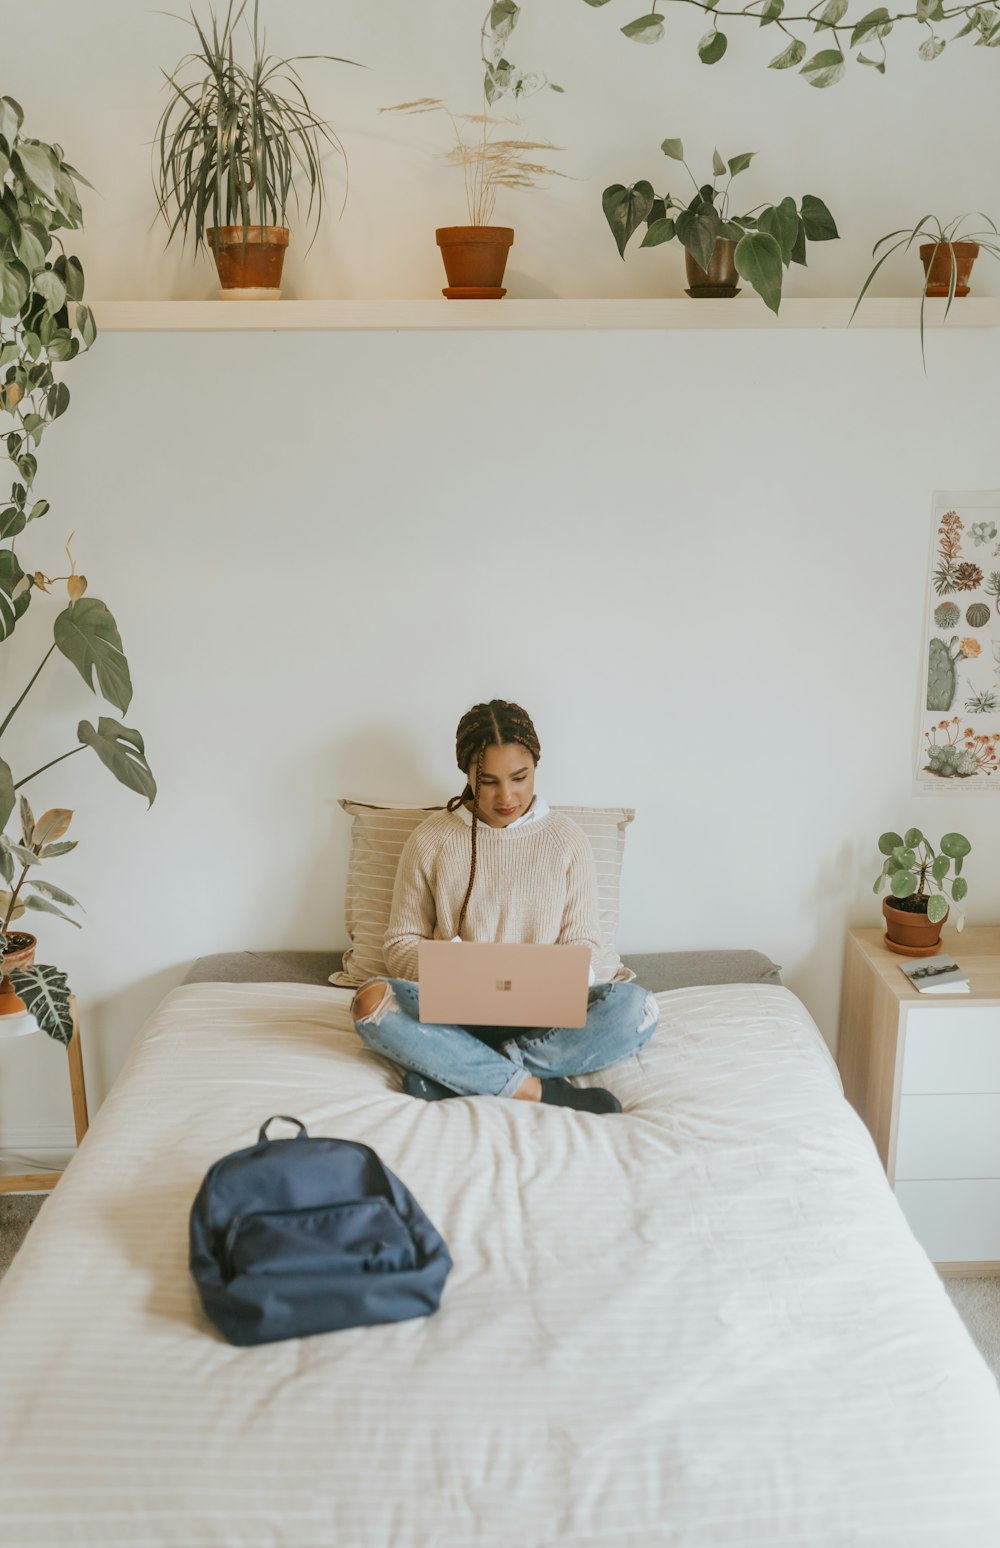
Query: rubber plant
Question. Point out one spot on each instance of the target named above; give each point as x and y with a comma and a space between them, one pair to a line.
44, 325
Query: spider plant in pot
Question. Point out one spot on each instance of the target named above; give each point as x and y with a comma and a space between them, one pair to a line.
234, 143
720, 247
919, 882
947, 254
475, 256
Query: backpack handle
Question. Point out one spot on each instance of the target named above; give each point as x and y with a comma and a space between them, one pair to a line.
262, 1136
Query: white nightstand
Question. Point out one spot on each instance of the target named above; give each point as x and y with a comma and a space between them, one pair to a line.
924, 1073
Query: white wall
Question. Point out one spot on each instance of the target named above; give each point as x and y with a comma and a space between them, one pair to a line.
697, 559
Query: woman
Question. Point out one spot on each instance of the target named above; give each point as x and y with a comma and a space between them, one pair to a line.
527, 875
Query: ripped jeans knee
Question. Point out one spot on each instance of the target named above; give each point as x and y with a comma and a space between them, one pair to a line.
372, 1000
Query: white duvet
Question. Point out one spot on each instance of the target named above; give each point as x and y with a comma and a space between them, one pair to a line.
702, 1322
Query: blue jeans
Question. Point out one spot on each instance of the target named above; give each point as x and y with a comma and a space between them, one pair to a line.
621, 1018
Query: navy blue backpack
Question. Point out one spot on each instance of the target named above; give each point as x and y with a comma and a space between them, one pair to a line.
297, 1236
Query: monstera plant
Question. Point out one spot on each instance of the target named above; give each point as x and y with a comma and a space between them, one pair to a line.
43, 326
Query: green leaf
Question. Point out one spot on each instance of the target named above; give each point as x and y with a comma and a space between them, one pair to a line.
718, 165
42, 905
741, 162
931, 48
758, 260
905, 858
876, 64
121, 750
625, 209
781, 221
912, 838
40, 168
789, 57
940, 867
660, 231
824, 68
45, 991
55, 893
85, 323
673, 148
22, 853
50, 851
12, 578
959, 888
11, 119
31, 244
698, 230
819, 224
27, 819
6, 866
51, 288
15, 284
903, 884
12, 521
929, 10
711, 46
831, 14
771, 11
937, 907
7, 795
871, 25
88, 636
645, 29
595, 3
955, 845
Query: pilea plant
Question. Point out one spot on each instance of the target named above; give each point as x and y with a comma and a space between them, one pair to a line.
769, 237
918, 876
829, 26
43, 325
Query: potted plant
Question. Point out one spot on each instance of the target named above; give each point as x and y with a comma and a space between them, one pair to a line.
233, 141
43, 325
918, 880
719, 246
946, 253
475, 256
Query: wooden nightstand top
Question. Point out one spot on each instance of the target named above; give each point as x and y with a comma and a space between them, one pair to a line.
976, 949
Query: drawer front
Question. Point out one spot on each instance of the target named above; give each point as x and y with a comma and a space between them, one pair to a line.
948, 1136
952, 1048
954, 1222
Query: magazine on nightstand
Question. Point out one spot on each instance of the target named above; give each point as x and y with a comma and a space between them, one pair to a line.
936, 975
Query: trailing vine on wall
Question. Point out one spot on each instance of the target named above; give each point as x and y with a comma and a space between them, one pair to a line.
838, 36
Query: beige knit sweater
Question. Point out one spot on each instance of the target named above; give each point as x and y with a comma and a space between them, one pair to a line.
535, 883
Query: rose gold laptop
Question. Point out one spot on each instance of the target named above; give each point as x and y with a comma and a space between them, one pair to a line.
468, 983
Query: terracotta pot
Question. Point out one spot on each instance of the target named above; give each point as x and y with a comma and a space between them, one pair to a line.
912, 935
10, 1003
251, 270
936, 259
720, 279
474, 260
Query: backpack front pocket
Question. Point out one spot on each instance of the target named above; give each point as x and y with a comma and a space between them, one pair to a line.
363, 1237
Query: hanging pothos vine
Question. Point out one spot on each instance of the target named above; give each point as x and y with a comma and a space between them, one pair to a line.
840, 36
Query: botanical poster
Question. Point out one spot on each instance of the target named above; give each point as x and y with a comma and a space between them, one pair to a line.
958, 735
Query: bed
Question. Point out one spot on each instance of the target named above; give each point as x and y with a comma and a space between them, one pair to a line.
702, 1324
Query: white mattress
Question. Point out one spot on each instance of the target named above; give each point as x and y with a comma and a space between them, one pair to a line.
704, 1322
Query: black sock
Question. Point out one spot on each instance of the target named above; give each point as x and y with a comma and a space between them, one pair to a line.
559, 1092
422, 1086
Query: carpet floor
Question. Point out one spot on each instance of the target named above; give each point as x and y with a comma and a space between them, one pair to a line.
977, 1300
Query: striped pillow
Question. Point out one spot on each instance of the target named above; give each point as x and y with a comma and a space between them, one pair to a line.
378, 835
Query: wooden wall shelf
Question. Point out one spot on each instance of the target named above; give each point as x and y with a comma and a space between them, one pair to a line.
682, 312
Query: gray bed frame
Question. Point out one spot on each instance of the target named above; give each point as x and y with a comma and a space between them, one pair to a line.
655, 970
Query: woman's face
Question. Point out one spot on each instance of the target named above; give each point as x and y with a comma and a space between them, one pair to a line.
506, 784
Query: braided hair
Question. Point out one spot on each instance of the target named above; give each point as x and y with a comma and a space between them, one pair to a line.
496, 724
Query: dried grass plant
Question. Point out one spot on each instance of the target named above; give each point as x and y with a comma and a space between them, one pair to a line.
488, 160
